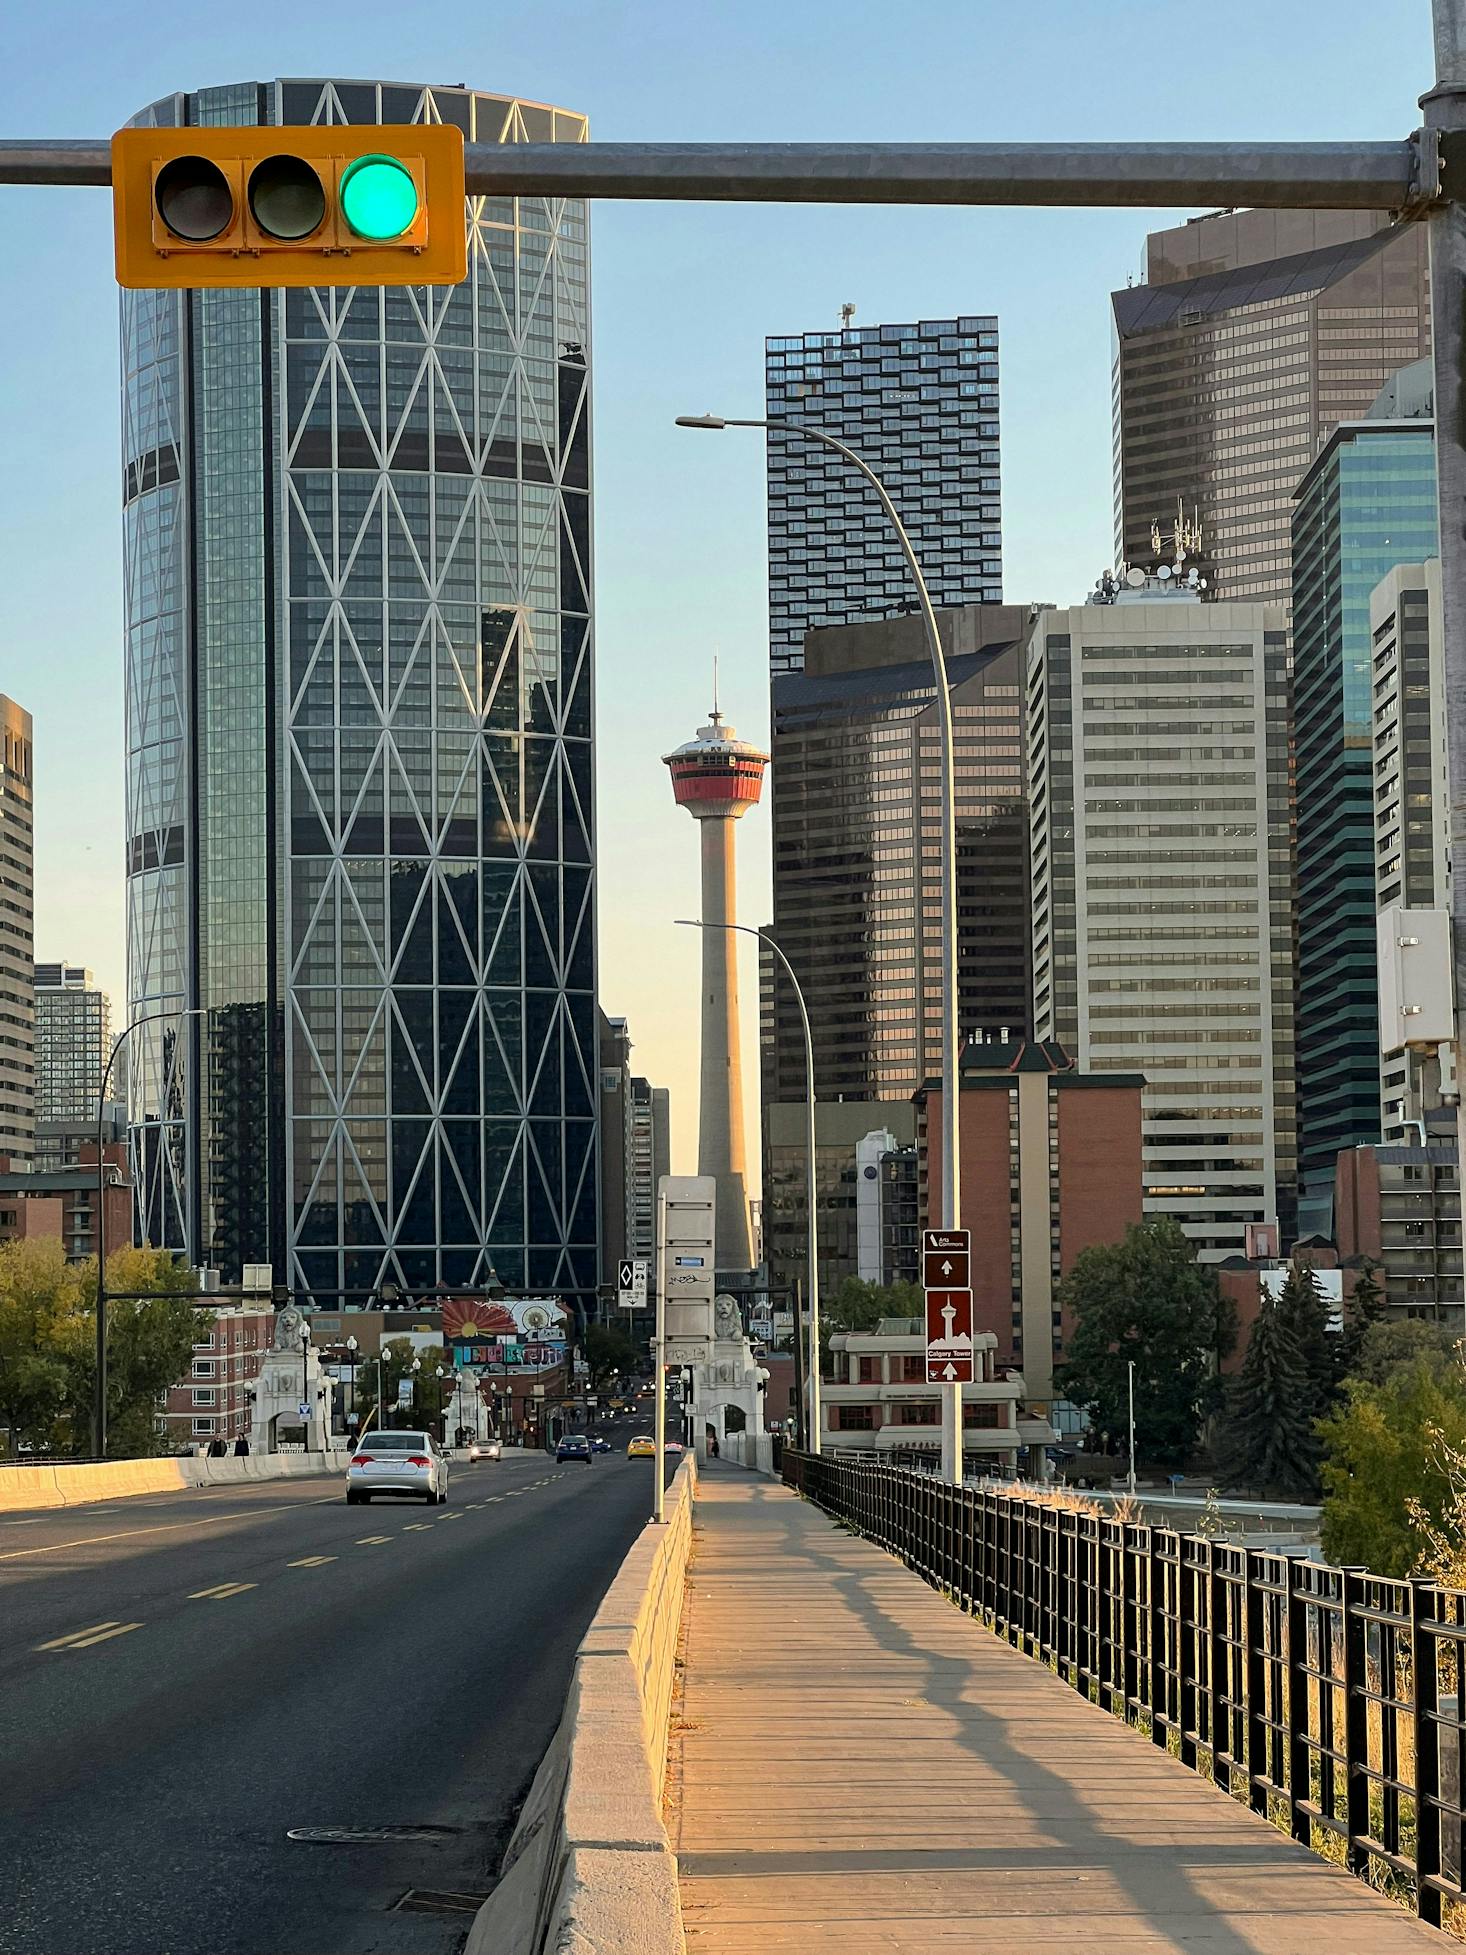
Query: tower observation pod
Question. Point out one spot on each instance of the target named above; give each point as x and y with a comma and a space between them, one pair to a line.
717, 777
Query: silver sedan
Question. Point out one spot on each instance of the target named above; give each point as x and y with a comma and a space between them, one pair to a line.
411, 1465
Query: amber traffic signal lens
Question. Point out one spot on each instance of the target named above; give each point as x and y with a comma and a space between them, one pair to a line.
286, 197
193, 198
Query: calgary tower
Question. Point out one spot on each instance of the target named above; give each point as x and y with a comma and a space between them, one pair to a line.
717, 777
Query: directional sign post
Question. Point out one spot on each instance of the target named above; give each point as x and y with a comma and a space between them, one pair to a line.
631, 1282
946, 1276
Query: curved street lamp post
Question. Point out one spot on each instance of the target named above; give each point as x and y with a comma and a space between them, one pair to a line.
950, 1180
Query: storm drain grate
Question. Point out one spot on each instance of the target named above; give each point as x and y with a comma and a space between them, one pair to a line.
427, 1900
369, 1835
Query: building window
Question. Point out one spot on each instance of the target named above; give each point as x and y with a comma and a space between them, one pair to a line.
203, 1367
870, 1371
913, 1371
982, 1415
203, 1425
203, 1397
918, 1415
854, 1418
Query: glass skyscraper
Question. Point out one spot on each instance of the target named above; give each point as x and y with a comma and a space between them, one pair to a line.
920, 404
1366, 504
357, 550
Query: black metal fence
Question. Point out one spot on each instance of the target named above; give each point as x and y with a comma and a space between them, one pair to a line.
1327, 1698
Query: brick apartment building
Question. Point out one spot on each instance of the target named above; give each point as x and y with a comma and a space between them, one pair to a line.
61, 1203
1053, 1153
213, 1402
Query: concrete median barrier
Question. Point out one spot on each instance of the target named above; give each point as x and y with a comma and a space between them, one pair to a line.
33, 1489
589, 1867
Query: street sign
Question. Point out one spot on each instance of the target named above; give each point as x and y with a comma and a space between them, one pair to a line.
631, 1282
949, 1337
686, 1207
304, 1410
946, 1259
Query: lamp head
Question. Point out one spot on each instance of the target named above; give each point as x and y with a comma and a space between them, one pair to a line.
701, 421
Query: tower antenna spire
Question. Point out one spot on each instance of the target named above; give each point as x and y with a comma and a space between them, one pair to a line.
716, 715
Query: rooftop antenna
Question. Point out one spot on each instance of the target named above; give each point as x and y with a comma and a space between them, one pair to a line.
847, 313
717, 716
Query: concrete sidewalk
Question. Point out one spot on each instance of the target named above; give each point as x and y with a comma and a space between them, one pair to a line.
858, 1767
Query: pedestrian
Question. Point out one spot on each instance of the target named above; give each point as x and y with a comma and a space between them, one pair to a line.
241, 1447
217, 1449
713, 1444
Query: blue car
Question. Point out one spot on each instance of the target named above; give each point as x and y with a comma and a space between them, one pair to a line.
574, 1445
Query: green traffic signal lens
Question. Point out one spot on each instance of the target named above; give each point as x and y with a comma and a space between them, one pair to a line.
378, 198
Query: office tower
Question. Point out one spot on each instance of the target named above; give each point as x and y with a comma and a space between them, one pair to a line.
73, 1045
717, 777
860, 1206
615, 1145
17, 939
1255, 333
1163, 885
357, 571
1411, 801
920, 405
1366, 504
856, 786
649, 1157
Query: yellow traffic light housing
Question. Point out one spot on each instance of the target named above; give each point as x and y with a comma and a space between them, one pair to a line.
358, 204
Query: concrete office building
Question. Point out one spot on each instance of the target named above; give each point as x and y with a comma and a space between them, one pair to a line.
1158, 731
358, 692
860, 1231
1366, 504
649, 1157
17, 938
856, 785
1253, 335
877, 1401
73, 1045
919, 403
1399, 1205
1411, 801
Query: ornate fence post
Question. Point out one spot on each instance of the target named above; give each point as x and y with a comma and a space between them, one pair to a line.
1424, 1606
1353, 1682
1295, 1649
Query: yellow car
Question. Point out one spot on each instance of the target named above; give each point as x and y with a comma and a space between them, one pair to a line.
641, 1448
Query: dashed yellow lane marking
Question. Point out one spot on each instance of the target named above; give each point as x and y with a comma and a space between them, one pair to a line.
312, 1561
417, 1527
373, 1540
448, 1517
219, 1593
83, 1639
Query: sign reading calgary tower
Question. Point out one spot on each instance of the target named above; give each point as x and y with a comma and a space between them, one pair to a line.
717, 777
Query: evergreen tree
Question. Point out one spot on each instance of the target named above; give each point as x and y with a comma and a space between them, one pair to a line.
1363, 1309
1302, 1307
1267, 1443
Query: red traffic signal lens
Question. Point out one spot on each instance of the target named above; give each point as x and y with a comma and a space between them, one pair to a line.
286, 197
193, 198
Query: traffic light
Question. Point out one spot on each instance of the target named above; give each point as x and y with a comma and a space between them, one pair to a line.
364, 204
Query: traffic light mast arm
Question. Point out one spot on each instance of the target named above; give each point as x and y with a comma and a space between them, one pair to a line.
1400, 176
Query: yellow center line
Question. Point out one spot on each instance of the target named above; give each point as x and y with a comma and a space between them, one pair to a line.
171, 1527
312, 1561
372, 1540
417, 1527
74, 1635
221, 1591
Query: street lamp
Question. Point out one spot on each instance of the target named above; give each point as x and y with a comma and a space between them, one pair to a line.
812, 1252
950, 1199
305, 1404
99, 1385
352, 1348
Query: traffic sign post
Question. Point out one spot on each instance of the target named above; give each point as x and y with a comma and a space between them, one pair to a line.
946, 1277
631, 1283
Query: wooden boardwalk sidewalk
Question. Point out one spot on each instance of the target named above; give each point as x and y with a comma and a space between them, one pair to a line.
857, 1766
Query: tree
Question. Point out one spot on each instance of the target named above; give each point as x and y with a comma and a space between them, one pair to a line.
1386, 1473
1268, 1442
607, 1349
1302, 1308
430, 1393
857, 1305
40, 1296
1386, 1346
151, 1334
1364, 1308
1149, 1301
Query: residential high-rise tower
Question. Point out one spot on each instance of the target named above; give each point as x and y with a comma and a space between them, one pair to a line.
357, 559
17, 937
73, 1045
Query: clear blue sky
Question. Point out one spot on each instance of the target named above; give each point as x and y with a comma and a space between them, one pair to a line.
684, 295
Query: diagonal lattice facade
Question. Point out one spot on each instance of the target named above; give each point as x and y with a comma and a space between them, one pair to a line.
359, 697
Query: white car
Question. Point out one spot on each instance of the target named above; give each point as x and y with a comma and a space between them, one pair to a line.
410, 1464
485, 1449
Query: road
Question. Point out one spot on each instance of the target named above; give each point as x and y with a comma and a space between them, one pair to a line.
184, 1678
